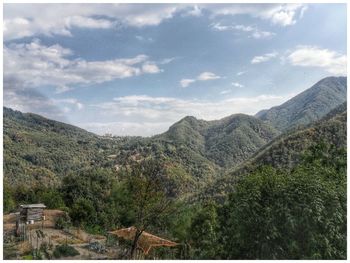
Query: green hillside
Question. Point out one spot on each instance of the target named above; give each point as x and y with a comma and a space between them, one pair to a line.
225, 142
234, 188
202, 149
308, 106
287, 150
38, 150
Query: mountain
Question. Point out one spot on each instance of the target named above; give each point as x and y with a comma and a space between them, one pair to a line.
194, 152
309, 106
201, 150
225, 142
39, 150
288, 149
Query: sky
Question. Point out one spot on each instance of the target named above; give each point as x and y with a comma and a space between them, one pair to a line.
135, 69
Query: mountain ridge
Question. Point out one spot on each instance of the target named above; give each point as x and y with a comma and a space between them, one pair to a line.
204, 150
286, 150
308, 106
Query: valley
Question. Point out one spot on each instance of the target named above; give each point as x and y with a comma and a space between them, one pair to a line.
213, 175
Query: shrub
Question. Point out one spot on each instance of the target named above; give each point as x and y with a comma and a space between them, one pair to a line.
63, 222
65, 251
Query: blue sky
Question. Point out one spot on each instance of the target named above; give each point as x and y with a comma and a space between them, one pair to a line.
135, 69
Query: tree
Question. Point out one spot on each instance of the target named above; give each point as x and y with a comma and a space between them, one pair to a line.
9, 202
87, 193
301, 214
148, 201
204, 232
83, 211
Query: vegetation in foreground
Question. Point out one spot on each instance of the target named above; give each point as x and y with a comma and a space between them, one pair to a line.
271, 214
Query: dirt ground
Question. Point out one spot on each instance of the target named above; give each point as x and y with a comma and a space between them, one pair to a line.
9, 220
44, 232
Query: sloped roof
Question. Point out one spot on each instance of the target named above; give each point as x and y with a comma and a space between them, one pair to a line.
33, 206
146, 241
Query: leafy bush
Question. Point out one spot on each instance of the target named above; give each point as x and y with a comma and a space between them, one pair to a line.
28, 257
63, 221
65, 251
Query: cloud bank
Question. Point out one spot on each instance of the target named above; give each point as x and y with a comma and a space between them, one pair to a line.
59, 19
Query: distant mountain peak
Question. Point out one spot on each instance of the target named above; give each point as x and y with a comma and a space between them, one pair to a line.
308, 106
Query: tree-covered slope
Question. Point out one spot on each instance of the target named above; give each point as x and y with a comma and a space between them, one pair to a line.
39, 150
203, 149
232, 140
226, 142
308, 106
288, 149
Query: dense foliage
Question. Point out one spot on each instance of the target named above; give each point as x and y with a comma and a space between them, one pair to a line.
65, 251
227, 189
309, 106
41, 151
286, 151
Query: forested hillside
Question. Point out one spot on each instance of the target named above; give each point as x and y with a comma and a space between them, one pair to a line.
225, 142
310, 105
38, 150
235, 188
288, 150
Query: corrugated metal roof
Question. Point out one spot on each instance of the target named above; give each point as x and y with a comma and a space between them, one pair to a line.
33, 206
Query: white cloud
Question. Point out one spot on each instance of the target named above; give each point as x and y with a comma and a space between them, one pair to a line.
34, 64
219, 27
204, 76
312, 56
144, 39
195, 11
186, 82
70, 101
262, 34
263, 58
30, 100
244, 28
22, 20
227, 91
207, 76
151, 68
240, 73
237, 85
253, 32
126, 128
167, 60
57, 19
279, 14
156, 114
88, 22
302, 11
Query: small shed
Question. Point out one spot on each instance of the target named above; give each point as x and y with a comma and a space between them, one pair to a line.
32, 212
146, 242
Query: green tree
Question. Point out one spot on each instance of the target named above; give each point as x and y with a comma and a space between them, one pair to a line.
83, 212
9, 201
148, 201
296, 215
52, 198
204, 232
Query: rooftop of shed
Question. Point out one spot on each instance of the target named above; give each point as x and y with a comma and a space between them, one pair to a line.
33, 206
